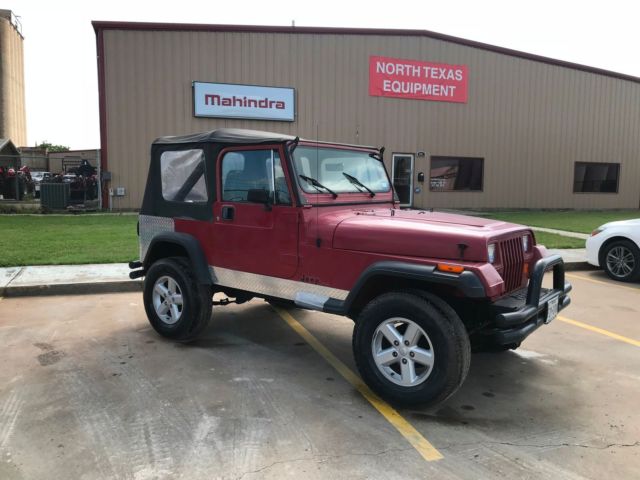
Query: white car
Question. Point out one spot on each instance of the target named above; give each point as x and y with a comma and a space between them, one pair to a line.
38, 178
615, 247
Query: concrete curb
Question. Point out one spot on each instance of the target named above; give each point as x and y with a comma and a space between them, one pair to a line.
86, 288
578, 266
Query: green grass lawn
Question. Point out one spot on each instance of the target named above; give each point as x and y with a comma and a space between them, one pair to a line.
551, 240
64, 240
583, 221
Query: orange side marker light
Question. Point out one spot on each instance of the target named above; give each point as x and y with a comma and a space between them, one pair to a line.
446, 267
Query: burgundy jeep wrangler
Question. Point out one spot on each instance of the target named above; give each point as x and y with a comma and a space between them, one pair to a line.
316, 225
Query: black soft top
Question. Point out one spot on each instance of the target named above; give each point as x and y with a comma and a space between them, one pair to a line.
240, 136
227, 136
154, 203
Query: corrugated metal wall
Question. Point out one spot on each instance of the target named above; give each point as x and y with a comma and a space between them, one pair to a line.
530, 121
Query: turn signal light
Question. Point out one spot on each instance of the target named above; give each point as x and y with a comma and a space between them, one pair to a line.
526, 269
446, 267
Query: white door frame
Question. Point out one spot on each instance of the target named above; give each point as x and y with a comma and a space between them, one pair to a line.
393, 174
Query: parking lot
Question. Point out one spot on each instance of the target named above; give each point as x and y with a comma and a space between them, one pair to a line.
89, 390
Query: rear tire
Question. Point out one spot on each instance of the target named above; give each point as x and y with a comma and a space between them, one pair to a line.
425, 326
177, 306
621, 261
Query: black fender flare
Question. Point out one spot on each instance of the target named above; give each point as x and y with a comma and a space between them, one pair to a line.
467, 282
190, 244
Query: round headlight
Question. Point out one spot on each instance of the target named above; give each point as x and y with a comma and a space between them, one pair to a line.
491, 252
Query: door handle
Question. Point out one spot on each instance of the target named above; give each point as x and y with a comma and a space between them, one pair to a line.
228, 212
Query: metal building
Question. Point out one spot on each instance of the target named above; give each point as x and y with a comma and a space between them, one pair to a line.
464, 124
13, 120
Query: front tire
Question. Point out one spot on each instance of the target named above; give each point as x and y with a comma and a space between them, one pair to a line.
411, 349
621, 261
177, 306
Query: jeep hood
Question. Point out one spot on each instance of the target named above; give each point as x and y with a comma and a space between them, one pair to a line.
419, 233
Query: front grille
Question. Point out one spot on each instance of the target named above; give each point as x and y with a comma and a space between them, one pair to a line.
512, 259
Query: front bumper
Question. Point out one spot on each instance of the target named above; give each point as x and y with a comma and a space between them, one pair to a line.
593, 245
516, 316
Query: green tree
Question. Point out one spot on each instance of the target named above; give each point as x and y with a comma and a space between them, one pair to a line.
51, 147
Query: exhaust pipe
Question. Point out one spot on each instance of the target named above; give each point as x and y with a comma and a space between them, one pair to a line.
137, 274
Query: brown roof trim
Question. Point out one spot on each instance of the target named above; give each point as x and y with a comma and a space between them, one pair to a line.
198, 27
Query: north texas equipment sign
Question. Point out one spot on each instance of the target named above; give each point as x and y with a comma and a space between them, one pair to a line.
417, 80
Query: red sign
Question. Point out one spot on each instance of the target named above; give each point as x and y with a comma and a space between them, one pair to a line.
395, 77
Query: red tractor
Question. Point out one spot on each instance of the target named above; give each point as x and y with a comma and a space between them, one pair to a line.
15, 184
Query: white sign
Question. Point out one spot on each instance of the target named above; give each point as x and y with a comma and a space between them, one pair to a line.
243, 101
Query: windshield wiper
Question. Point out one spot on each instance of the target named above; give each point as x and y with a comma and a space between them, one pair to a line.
358, 183
317, 185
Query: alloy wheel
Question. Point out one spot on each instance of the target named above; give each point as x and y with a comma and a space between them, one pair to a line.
620, 261
167, 300
402, 351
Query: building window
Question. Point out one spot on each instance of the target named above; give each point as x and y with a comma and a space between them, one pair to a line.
182, 176
596, 177
450, 174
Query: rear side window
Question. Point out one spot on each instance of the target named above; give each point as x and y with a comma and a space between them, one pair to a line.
182, 175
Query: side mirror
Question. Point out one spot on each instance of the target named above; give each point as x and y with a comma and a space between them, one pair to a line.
259, 195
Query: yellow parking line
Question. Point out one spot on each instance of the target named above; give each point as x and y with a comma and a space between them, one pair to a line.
602, 331
593, 280
415, 438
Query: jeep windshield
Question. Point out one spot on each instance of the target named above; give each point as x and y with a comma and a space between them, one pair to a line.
339, 171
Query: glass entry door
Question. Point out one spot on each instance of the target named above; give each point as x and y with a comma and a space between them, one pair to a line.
402, 177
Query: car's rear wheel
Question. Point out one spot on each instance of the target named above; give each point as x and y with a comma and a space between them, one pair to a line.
177, 306
411, 349
621, 260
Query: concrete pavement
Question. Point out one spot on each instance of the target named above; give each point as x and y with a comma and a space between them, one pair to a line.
88, 390
574, 258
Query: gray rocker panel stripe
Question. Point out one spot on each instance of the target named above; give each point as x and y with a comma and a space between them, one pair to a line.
304, 294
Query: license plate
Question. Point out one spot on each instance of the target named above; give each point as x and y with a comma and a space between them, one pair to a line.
37, 188
552, 309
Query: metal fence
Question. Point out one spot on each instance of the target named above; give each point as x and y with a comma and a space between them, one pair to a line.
18, 182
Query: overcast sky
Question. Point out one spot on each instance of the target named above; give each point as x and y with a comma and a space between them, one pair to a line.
60, 63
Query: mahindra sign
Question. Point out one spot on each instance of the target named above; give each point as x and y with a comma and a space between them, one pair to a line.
228, 100
395, 77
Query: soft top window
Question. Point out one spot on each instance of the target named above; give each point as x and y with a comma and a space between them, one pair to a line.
245, 170
182, 175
